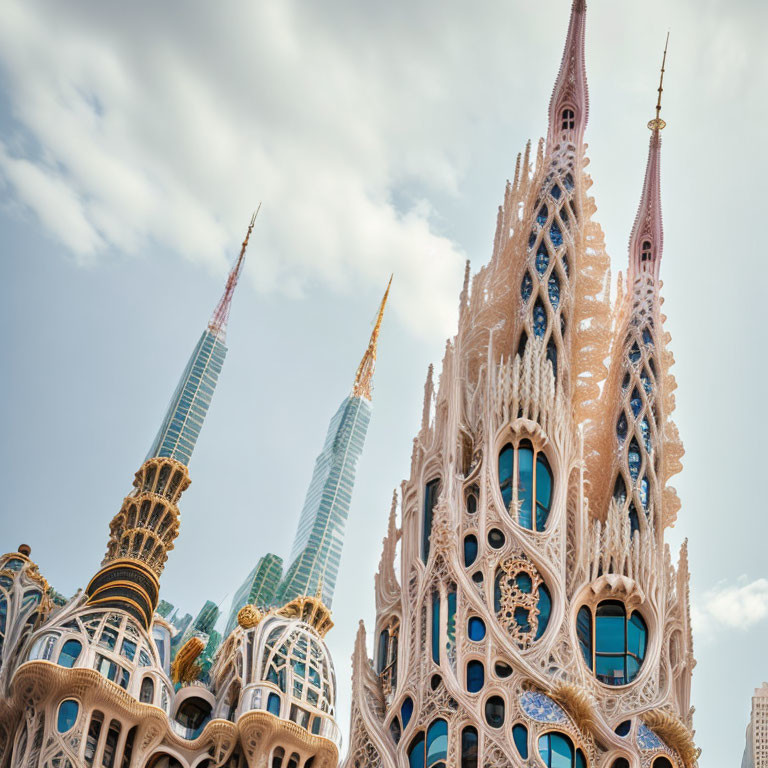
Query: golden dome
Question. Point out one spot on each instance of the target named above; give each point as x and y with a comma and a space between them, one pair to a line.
249, 616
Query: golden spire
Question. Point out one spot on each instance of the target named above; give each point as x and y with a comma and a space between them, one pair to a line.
364, 375
657, 124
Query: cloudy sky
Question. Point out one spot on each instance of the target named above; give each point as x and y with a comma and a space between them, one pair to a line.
136, 139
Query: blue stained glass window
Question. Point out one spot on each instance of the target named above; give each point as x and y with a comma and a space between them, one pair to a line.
555, 235
633, 459
436, 627
554, 291
568, 181
646, 432
68, 711
69, 653
556, 192
620, 491
635, 402
476, 629
646, 379
475, 676
539, 319
621, 426
450, 623
523, 619
647, 336
542, 259
634, 353
543, 491
545, 610
623, 728
416, 757
532, 240
526, 287
470, 549
556, 750
469, 741
620, 643
524, 583
541, 216
520, 737
437, 742
406, 711
506, 468
581, 760
525, 484
273, 704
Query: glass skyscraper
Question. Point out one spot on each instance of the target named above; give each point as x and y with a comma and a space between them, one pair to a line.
316, 551
258, 588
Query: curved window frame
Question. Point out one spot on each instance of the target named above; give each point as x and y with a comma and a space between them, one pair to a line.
470, 747
492, 701
429, 747
69, 720
589, 645
578, 757
475, 676
431, 495
65, 648
535, 506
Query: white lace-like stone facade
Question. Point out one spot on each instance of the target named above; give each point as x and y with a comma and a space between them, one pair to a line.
521, 568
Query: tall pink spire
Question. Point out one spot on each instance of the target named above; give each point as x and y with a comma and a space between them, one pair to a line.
569, 105
646, 242
220, 317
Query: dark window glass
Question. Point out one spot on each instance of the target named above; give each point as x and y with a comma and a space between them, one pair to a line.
502, 669
69, 653
406, 711
450, 621
543, 491
620, 643
506, 469
542, 259
494, 711
430, 499
552, 355
556, 192
470, 549
623, 728
469, 746
541, 216
496, 538
662, 762
436, 627
539, 319
520, 737
526, 287
620, 762
128, 749
68, 711
381, 660
553, 290
556, 235
569, 120
472, 500
476, 629
475, 676
584, 632
110, 745
525, 484
394, 730
147, 694
92, 740
477, 577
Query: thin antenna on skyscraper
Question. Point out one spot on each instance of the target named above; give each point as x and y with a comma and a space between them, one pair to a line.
218, 324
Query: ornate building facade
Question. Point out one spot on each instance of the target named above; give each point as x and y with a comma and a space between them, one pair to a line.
537, 617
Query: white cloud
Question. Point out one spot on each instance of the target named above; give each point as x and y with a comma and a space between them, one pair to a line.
728, 607
161, 129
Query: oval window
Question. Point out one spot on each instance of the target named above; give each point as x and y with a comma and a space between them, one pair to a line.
494, 711
475, 676
496, 538
67, 717
69, 653
520, 737
470, 549
476, 629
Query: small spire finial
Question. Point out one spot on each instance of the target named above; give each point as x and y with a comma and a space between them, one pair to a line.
657, 124
364, 374
218, 323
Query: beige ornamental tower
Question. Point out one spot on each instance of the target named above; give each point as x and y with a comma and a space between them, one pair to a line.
537, 618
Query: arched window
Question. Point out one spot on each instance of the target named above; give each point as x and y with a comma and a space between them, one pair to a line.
495, 711
539, 319
472, 496
620, 762
520, 737
662, 762
476, 629
406, 711
128, 749
430, 751
568, 119
502, 669
394, 729
67, 717
381, 660
92, 740
646, 251
147, 693
469, 747
436, 627
110, 745
273, 704
525, 477
386, 662
277, 757
293, 761
557, 751
475, 676
470, 549
623, 728
616, 649
69, 653
431, 492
